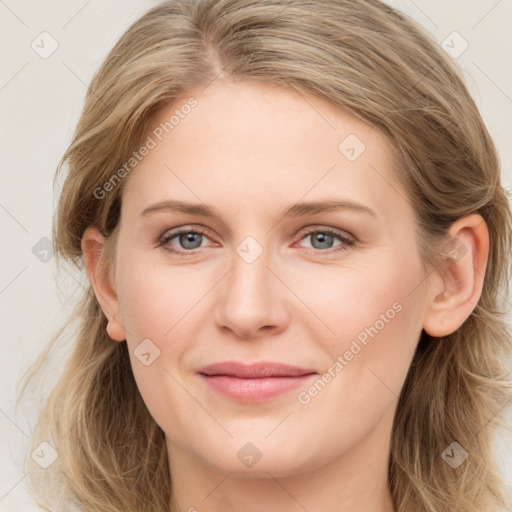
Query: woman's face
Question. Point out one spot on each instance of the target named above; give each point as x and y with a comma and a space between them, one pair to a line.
338, 293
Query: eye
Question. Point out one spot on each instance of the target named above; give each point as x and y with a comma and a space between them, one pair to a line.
322, 239
192, 239
189, 239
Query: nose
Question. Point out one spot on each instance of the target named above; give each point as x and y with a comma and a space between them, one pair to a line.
252, 300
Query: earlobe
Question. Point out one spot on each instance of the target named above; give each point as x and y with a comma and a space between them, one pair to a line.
454, 297
93, 243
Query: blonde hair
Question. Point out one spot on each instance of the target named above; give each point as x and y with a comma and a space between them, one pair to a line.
363, 57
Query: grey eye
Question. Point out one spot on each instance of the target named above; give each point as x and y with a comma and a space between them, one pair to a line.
324, 240
190, 240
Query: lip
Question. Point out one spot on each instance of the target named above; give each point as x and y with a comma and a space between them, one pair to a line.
255, 370
254, 382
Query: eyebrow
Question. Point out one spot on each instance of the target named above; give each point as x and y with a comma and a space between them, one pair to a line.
296, 210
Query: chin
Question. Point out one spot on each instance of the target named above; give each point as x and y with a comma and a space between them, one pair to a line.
249, 460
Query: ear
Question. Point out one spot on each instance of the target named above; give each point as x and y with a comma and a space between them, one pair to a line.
457, 288
92, 248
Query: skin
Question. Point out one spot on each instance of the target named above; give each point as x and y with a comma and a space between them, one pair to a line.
250, 151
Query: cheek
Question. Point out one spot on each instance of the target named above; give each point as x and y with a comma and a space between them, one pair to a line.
354, 295
377, 320
159, 301
373, 314
160, 304
154, 299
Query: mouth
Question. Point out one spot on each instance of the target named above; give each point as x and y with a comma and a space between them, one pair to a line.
255, 382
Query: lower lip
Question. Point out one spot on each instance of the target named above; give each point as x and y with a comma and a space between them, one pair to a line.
255, 390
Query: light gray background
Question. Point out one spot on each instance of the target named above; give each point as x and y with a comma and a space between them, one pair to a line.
40, 101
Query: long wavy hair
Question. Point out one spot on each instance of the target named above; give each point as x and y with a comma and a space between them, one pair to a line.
363, 57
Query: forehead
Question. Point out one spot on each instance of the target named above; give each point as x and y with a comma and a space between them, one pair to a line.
260, 144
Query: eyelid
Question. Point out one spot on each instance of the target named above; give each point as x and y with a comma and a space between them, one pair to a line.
171, 233
315, 228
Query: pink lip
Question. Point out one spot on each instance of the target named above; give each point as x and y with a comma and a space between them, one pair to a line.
256, 382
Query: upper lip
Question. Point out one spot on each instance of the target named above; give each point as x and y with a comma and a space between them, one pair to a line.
255, 370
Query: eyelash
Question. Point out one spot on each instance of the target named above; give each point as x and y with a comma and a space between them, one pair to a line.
346, 242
